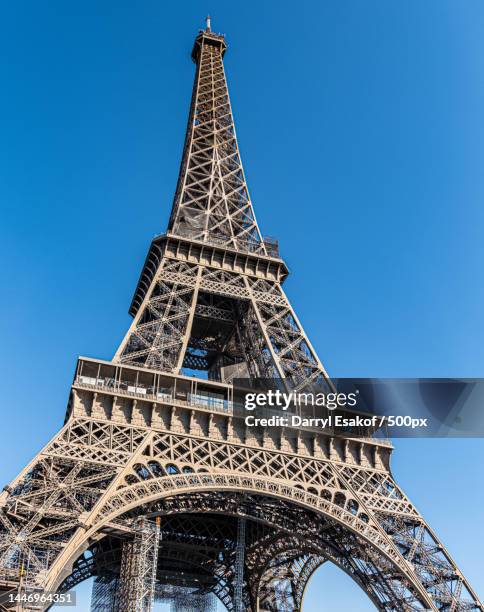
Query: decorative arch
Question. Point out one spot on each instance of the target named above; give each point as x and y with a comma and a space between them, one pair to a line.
84, 480
128, 498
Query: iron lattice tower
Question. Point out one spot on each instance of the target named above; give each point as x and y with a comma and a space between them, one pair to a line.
156, 487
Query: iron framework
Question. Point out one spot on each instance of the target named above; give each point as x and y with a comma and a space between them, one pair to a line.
157, 488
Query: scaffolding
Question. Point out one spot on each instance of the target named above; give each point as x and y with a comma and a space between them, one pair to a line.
185, 599
21, 570
104, 590
138, 568
135, 588
239, 566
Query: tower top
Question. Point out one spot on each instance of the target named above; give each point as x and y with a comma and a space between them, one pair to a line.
207, 37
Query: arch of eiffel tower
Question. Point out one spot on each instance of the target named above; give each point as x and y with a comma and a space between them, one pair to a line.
155, 487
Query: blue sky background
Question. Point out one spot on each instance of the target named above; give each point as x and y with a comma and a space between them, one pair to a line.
361, 128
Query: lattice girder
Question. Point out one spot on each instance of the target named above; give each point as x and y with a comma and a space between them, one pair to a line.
285, 529
210, 298
271, 336
212, 200
87, 495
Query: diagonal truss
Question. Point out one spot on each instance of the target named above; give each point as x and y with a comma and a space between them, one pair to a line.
397, 556
147, 448
267, 336
212, 200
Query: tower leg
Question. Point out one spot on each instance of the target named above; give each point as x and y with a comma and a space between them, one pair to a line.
138, 569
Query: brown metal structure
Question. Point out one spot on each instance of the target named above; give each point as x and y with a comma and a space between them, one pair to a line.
242, 515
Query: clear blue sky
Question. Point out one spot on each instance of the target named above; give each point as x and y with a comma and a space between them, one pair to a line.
361, 128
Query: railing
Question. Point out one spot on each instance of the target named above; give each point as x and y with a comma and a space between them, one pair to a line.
204, 402
240, 244
157, 395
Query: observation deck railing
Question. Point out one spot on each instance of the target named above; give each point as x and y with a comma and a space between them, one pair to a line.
185, 391
240, 244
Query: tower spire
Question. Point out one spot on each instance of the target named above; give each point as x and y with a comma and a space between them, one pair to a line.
185, 318
212, 202
208, 24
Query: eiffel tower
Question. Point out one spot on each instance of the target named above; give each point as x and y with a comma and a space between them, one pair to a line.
155, 487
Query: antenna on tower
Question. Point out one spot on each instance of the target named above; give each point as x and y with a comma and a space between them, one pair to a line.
208, 22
